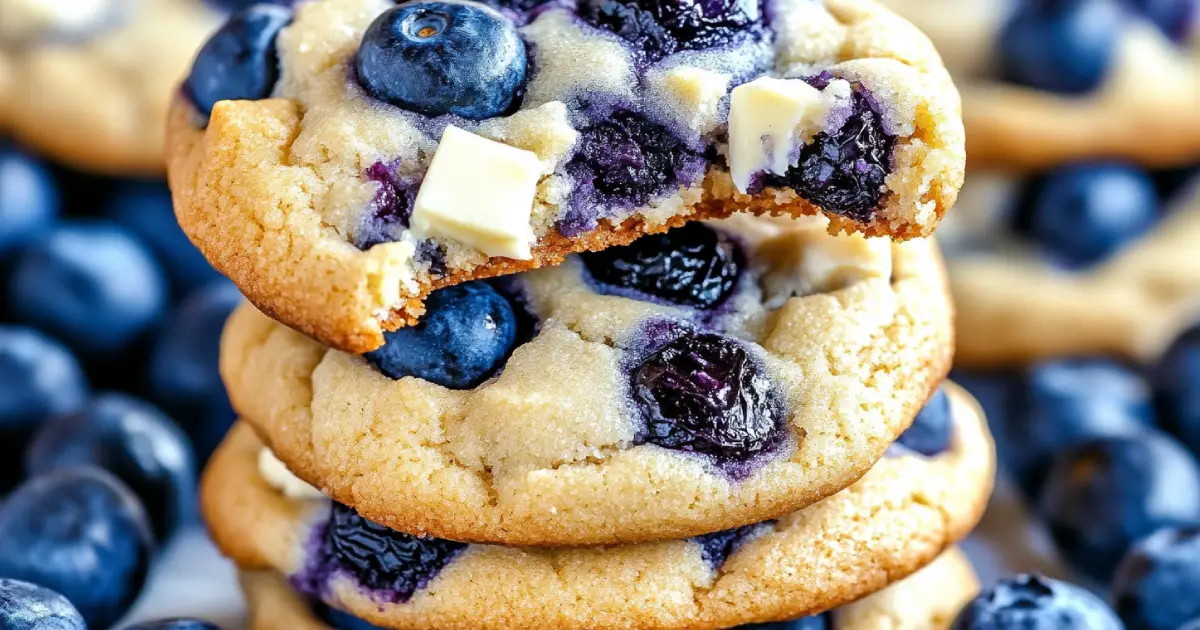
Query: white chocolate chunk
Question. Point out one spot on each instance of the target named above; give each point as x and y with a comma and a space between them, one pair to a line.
277, 475
479, 192
768, 117
27, 19
807, 261
693, 95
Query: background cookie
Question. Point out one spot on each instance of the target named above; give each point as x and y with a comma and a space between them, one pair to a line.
338, 205
898, 517
576, 441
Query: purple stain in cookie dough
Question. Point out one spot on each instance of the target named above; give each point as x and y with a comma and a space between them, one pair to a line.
661, 27
389, 213
716, 548
622, 163
843, 169
391, 565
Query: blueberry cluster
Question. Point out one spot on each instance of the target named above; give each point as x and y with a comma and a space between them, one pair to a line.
109, 393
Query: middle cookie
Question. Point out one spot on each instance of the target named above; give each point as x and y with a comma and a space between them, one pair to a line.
707, 379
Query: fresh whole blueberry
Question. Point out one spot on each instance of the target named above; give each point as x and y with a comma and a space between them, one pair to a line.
183, 369
1104, 494
1082, 213
39, 379
145, 209
1155, 585
1176, 18
932, 429
812, 622
438, 58
704, 393
1057, 404
90, 284
693, 265
1061, 46
239, 62
81, 532
29, 200
844, 169
174, 624
25, 606
465, 336
1031, 602
658, 28
1177, 387
339, 620
132, 440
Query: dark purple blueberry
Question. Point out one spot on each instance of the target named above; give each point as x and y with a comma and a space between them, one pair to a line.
1177, 388
391, 564
1033, 602
339, 620
704, 393
173, 624
716, 547
391, 209
1103, 495
932, 429
239, 62
624, 162
1156, 584
812, 622
658, 28
1176, 18
693, 265
464, 337
438, 58
1061, 46
29, 199
843, 170
25, 606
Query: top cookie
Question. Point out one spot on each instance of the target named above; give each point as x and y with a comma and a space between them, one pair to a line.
88, 82
389, 164
1049, 82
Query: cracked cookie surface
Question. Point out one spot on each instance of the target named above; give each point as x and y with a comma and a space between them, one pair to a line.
598, 428
900, 516
334, 209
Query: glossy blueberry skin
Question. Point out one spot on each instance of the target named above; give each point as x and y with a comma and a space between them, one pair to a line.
1176, 18
933, 428
341, 621
1155, 585
465, 335
1057, 404
29, 199
173, 624
132, 440
1103, 495
25, 606
239, 62
813, 622
1083, 213
1061, 46
1177, 385
90, 284
145, 209
438, 58
183, 369
80, 532
1028, 602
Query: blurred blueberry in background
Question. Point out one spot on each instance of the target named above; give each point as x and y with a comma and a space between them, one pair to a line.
1157, 584
173, 624
1032, 602
1177, 383
1061, 46
29, 200
25, 606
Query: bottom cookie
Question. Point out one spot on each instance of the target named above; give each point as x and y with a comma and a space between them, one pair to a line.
926, 600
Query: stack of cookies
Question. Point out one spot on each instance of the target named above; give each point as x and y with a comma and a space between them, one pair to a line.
610, 315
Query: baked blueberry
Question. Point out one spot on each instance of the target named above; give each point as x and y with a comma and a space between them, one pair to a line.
81, 532
173, 624
1031, 602
693, 265
932, 429
1062, 46
90, 284
464, 337
1104, 494
716, 547
391, 209
704, 393
25, 606
145, 209
29, 200
39, 379
393, 565
1176, 18
843, 170
436, 58
1082, 213
1057, 404
1177, 386
132, 440
239, 62
339, 620
183, 368
812, 622
658, 28
1155, 585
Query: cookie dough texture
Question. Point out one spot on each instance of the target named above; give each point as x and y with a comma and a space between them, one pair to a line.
1147, 109
899, 517
97, 98
273, 192
545, 453
1015, 307
926, 600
